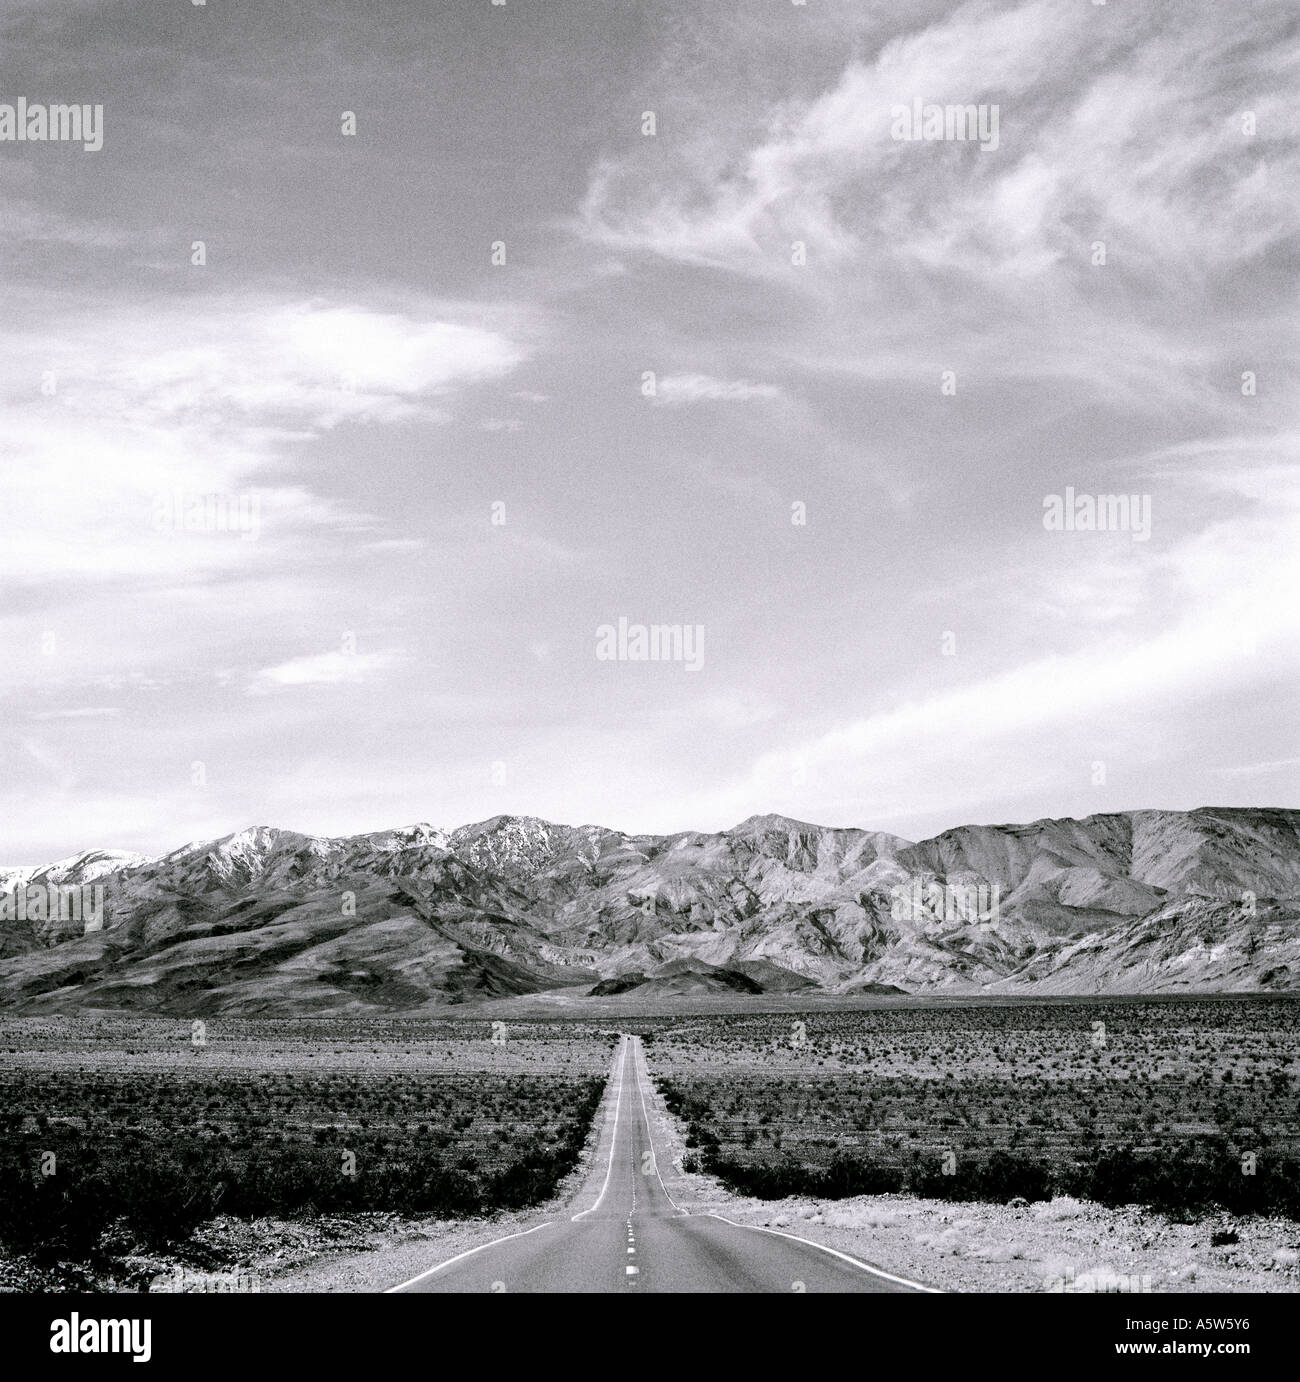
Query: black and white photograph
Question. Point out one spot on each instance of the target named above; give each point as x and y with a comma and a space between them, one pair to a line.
651, 647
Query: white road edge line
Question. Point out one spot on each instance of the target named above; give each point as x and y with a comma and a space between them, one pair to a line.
649, 1133
834, 1252
460, 1257
613, 1137
621, 1060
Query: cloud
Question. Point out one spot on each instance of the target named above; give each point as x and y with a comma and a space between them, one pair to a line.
90, 712
1119, 137
674, 390
730, 711
116, 416
1260, 769
262, 363
1104, 115
802, 279
322, 669
1225, 625
399, 545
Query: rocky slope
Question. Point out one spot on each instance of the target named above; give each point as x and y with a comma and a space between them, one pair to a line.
273, 921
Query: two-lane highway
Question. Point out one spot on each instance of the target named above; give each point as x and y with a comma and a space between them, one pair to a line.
624, 1233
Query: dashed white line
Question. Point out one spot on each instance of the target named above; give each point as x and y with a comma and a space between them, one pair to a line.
648, 1131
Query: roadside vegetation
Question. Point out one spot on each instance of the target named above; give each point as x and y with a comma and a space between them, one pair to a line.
1178, 1107
152, 1140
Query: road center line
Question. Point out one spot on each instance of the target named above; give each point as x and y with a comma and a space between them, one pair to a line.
649, 1133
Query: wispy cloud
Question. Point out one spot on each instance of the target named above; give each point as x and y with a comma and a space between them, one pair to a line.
260, 363
89, 712
1261, 769
675, 390
322, 669
118, 414
1130, 172
1106, 706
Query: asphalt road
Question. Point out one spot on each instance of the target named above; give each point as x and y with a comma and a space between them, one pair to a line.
623, 1233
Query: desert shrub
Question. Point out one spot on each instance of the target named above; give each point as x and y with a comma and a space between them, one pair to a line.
1205, 1174
161, 1181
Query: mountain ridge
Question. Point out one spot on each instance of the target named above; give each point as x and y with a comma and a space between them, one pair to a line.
274, 921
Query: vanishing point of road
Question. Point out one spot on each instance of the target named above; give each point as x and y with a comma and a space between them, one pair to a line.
623, 1232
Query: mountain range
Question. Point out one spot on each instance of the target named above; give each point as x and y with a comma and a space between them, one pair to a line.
273, 922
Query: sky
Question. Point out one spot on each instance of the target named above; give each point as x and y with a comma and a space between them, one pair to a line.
386, 353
